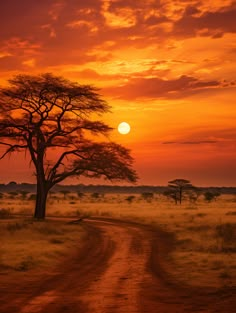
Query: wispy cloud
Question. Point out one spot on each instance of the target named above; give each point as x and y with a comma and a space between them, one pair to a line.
190, 142
158, 88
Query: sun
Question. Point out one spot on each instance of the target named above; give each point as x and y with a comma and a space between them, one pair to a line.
123, 128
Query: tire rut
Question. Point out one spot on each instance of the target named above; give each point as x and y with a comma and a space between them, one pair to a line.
119, 269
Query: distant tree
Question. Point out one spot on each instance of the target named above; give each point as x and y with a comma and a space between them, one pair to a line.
193, 194
23, 193
39, 114
13, 194
80, 195
33, 196
171, 194
12, 183
65, 193
178, 187
147, 196
130, 199
211, 195
95, 195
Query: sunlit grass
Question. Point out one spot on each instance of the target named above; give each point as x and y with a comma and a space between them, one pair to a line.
205, 233
28, 245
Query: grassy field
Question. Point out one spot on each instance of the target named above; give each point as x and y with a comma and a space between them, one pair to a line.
205, 233
28, 245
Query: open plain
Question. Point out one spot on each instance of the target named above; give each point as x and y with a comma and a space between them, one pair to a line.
124, 256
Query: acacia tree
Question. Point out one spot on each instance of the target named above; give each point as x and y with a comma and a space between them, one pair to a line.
53, 119
177, 188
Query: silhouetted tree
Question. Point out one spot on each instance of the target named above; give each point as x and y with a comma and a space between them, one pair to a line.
171, 194
178, 187
193, 194
80, 195
211, 195
53, 120
130, 199
23, 193
13, 194
65, 193
147, 196
95, 195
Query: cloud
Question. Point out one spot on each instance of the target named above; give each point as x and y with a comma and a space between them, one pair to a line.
208, 136
158, 88
71, 33
208, 23
190, 142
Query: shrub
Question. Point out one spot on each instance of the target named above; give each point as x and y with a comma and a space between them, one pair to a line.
209, 195
130, 199
80, 195
5, 213
32, 197
95, 195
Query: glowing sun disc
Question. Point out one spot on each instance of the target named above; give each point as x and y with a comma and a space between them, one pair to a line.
123, 128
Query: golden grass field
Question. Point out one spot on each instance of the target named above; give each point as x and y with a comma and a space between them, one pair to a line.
205, 233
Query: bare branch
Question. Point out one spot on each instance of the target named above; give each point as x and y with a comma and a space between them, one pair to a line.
11, 148
44, 112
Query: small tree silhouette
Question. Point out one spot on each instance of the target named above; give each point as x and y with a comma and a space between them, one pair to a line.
65, 193
193, 194
211, 195
148, 196
80, 195
130, 199
177, 188
171, 194
23, 193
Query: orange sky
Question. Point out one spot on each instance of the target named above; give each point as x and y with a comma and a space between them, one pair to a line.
167, 67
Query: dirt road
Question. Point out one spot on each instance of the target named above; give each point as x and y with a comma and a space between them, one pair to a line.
120, 269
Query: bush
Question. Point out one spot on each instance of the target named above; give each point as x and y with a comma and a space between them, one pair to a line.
95, 195
147, 196
130, 199
5, 213
32, 197
209, 195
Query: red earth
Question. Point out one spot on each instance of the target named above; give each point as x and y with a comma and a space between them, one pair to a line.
122, 267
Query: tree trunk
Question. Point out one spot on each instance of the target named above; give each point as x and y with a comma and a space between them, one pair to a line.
41, 198
180, 195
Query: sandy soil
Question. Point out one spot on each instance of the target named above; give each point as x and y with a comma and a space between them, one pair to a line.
121, 268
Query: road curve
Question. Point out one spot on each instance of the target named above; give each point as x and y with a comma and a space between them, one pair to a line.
118, 270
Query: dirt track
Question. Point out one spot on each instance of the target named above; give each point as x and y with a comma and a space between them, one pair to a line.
120, 269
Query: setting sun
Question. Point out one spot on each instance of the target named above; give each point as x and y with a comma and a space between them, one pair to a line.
180, 100
123, 128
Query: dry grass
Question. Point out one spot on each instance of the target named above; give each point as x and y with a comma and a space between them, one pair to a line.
27, 245
205, 232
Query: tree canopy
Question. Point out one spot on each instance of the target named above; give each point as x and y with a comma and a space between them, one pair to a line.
177, 188
43, 113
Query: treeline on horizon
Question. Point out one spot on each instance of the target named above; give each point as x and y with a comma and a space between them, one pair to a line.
91, 188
